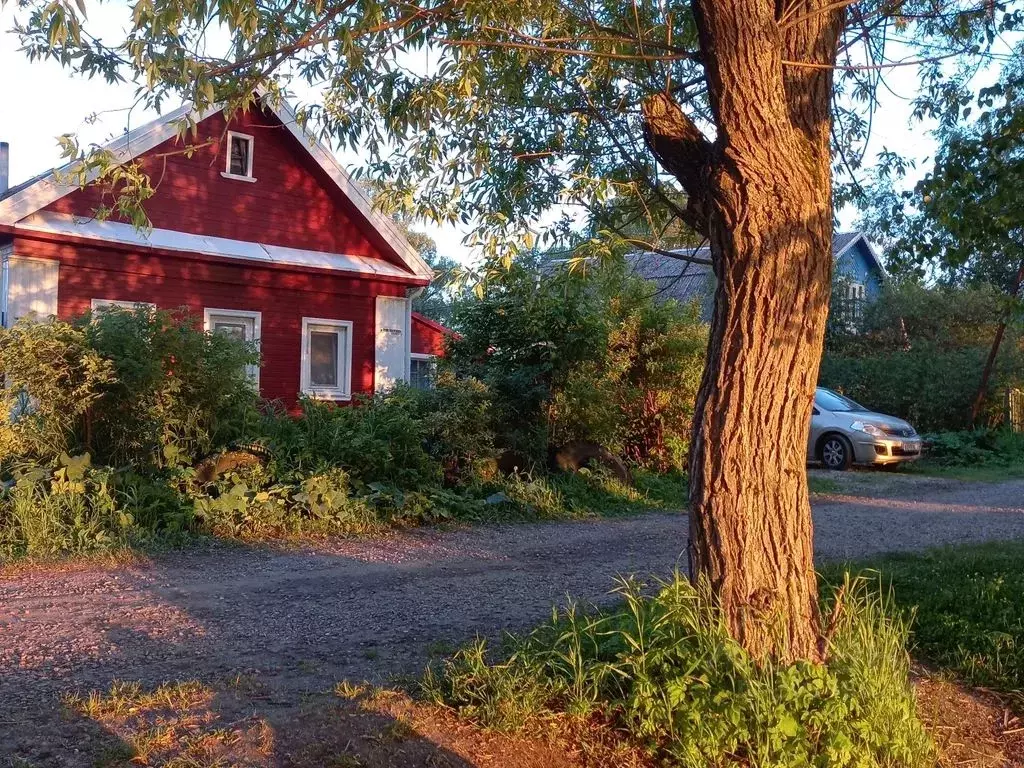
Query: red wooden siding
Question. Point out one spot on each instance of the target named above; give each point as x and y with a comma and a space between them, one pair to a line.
428, 336
292, 203
284, 296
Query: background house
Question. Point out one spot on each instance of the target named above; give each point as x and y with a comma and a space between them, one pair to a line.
859, 274
256, 229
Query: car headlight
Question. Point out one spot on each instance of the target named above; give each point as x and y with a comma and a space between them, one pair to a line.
867, 428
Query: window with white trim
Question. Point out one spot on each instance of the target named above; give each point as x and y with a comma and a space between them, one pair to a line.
241, 324
422, 369
29, 288
239, 157
326, 358
98, 305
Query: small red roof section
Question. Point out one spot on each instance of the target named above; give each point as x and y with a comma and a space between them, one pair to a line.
428, 336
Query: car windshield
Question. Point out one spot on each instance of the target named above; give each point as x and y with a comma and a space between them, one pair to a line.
833, 401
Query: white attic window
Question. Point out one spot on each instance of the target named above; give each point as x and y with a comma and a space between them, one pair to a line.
239, 157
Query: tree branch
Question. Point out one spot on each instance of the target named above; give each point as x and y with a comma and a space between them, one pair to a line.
683, 151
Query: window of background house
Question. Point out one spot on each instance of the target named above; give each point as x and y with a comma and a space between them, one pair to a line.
326, 358
422, 369
241, 324
240, 153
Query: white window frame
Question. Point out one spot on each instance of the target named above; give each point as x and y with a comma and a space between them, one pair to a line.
211, 313
8, 256
226, 173
421, 356
6, 252
344, 392
98, 305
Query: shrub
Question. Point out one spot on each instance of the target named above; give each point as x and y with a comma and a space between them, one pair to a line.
456, 418
178, 392
594, 356
980, 447
53, 380
637, 397
931, 389
665, 670
522, 337
75, 508
375, 440
919, 354
139, 387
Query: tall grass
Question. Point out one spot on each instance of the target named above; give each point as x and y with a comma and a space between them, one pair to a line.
967, 608
663, 668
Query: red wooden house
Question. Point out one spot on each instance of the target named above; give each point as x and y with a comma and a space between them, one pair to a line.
258, 231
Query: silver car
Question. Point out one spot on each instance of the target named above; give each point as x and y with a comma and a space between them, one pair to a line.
844, 433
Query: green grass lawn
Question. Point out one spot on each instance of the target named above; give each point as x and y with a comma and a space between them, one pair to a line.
985, 473
968, 609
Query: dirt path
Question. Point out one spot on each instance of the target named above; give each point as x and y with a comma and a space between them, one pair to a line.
302, 620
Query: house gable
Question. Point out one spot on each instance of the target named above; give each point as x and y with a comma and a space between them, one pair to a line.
301, 197
857, 263
292, 203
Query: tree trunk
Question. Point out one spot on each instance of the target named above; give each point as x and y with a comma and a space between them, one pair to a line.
993, 353
750, 515
762, 195
986, 373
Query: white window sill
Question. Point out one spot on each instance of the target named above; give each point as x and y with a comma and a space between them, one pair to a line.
327, 394
237, 177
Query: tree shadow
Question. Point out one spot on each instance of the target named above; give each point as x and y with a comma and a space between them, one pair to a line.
232, 721
269, 632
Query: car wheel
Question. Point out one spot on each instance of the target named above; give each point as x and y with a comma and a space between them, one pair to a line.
835, 452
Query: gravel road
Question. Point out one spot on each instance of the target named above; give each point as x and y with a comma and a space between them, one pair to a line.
304, 619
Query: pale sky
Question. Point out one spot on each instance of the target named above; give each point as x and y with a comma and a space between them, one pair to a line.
40, 101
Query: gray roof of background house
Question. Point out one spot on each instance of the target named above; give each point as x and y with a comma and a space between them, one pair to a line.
684, 281
687, 281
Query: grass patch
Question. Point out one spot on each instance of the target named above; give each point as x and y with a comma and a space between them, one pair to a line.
983, 473
967, 608
575, 496
818, 484
663, 670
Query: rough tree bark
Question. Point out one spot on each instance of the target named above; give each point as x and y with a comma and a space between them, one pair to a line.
762, 194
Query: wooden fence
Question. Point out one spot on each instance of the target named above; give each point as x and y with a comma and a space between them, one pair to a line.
1015, 409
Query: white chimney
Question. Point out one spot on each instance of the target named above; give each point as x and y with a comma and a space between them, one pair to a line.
5, 153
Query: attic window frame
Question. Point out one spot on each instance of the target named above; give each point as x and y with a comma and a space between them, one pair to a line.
226, 173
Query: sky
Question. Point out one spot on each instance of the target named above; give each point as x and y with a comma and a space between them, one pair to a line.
40, 101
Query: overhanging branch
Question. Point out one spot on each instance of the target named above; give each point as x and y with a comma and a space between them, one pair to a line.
683, 151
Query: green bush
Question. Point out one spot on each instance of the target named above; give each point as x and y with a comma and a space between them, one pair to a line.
375, 440
972, 448
141, 388
74, 508
637, 396
52, 381
178, 391
595, 356
664, 669
930, 388
522, 337
456, 419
